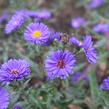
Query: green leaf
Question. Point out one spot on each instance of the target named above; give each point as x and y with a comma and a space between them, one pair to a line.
105, 97
94, 89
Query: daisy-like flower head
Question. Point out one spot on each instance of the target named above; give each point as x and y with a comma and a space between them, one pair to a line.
101, 28
59, 64
78, 22
95, 3
89, 51
4, 98
14, 70
105, 84
37, 33
16, 22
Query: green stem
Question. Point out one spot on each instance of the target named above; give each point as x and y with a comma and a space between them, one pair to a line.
94, 89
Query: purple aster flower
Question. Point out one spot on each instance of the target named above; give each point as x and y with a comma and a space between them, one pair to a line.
59, 64
17, 107
89, 51
105, 84
31, 13
95, 3
14, 70
16, 22
57, 36
50, 40
4, 98
37, 33
101, 28
77, 76
4, 16
41, 14
75, 41
78, 22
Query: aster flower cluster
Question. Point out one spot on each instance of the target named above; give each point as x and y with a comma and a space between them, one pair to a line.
60, 62
21, 16
58, 58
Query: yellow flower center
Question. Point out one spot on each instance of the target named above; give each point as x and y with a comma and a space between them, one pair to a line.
37, 34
